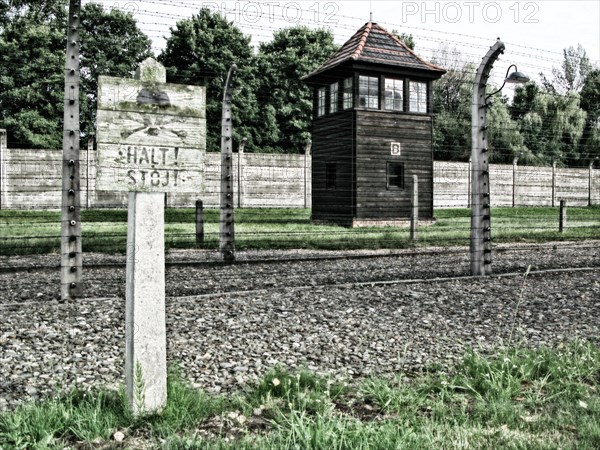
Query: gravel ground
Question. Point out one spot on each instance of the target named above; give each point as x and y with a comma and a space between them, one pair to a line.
348, 316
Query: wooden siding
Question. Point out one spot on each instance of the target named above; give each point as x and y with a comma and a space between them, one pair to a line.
375, 131
333, 137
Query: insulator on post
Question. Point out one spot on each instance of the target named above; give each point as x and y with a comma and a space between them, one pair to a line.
73, 269
71, 191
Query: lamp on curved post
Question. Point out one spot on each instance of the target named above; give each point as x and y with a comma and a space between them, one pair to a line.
481, 236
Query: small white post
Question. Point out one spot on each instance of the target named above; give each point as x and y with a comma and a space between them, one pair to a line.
3, 145
414, 216
240, 166
514, 183
562, 220
590, 182
553, 183
307, 150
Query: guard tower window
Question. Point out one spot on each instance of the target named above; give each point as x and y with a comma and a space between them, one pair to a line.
368, 92
330, 175
321, 96
333, 97
394, 94
418, 96
395, 175
348, 100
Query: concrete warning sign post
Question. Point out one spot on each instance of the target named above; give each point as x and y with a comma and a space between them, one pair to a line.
151, 141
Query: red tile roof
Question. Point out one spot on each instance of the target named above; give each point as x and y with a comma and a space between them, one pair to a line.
374, 44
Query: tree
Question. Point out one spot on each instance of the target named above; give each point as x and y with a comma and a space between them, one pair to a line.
286, 101
551, 124
111, 44
32, 80
200, 51
590, 103
407, 39
452, 106
574, 69
39, 11
32, 59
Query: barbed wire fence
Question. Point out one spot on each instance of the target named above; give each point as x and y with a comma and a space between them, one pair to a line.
273, 191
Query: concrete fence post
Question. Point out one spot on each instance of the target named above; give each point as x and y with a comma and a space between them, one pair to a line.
307, 150
514, 181
3, 146
227, 234
414, 215
469, 183
590, 181
562, 221
553, 183
71, 248
240, 177
90, 149
199, 222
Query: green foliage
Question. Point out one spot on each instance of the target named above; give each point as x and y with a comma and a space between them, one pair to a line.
512, 398
573, 72
111, 44
590, 103
32, 80
281, 391
407, 39
552, 125
452, 100
200, 51
286, 101
32, 59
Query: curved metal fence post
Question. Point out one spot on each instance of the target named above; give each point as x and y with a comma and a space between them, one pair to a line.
227, 238
481, 236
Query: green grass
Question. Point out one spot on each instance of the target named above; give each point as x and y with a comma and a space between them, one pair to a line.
516, 398
26, 232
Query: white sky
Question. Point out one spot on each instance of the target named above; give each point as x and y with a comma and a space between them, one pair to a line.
535, 32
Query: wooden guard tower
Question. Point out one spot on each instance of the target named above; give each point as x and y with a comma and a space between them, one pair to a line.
372, 131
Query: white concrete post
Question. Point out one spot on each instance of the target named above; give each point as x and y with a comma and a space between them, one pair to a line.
3, 146
307, 150
414, 216
590, 180
514, 181
145, 325
553, 183
240, 165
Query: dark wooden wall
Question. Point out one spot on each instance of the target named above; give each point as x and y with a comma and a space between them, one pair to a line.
333, 137
375, 131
